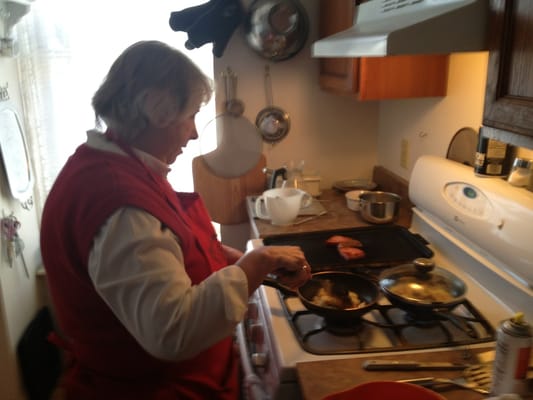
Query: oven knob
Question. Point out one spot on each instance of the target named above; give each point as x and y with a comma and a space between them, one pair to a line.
259, 360
252, 313
256, 334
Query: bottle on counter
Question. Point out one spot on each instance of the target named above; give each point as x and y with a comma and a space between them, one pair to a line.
493, 158
511, 362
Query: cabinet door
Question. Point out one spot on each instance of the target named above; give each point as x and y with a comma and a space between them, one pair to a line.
377, 78
509, 93
396, 77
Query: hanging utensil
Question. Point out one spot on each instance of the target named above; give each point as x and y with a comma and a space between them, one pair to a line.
237, 147
234, 106
273, 122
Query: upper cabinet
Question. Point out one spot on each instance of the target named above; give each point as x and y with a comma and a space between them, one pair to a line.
509, 94
377, 78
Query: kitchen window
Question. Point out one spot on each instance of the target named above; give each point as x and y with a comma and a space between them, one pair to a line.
65, 48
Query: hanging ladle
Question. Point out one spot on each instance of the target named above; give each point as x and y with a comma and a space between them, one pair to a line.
234, 106
273, 122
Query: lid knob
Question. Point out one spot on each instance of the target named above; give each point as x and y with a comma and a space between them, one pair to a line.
423, 265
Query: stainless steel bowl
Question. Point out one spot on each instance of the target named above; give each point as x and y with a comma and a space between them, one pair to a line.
276, 29
379, 207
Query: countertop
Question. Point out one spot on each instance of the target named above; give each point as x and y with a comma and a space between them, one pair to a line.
320, 378
338, 216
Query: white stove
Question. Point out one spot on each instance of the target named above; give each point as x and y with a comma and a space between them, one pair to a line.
477, 229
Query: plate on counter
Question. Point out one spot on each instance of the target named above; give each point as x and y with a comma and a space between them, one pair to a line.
354, 184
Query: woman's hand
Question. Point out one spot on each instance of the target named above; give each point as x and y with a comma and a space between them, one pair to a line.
232, 254
287, 262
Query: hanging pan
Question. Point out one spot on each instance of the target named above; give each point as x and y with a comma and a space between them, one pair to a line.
273, 122
276, 29
237, 148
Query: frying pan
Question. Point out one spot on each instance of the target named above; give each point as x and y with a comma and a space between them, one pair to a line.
425, 291
336, 283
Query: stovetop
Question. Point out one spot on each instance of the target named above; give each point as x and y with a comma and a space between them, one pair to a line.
476, 228
386, 327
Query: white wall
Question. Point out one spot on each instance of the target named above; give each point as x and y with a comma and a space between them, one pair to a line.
429, 124
335, 135
20, 296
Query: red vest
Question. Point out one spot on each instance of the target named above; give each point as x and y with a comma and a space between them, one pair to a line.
107, 362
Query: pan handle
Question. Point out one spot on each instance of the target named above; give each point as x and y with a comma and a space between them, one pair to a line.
457, 321
274, 177
271, 281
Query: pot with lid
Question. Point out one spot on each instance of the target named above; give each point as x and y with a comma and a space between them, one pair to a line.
426, 291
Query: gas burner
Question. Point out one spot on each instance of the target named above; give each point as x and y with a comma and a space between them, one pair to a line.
343, 328
422, 320
385, 327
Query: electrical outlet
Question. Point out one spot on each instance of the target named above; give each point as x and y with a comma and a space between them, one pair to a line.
404, 153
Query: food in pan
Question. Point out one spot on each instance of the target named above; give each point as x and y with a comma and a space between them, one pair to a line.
350, 253
336, 240
324, 298
408, 289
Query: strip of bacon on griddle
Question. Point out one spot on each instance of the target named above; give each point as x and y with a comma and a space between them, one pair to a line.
345, 241
350, 253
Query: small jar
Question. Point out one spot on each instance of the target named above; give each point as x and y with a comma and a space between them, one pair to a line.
521, 172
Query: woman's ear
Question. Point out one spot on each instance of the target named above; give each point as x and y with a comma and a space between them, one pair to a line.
159, 107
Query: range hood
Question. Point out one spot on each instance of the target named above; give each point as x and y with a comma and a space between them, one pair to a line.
394, 27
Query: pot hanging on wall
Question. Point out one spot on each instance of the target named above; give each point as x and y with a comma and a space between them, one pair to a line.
276, 29
272, 122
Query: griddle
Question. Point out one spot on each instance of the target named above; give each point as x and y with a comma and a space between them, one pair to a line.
385, 246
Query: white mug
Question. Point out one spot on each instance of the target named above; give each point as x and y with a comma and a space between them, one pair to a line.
281, 206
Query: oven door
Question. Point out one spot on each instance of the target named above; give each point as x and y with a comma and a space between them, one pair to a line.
261, 378
252, 387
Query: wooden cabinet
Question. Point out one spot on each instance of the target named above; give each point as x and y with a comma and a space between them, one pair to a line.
509, 93
375, 78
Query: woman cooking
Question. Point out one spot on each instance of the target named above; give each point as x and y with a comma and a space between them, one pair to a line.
145, 295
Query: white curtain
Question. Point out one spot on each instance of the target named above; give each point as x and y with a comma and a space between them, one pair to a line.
65, 50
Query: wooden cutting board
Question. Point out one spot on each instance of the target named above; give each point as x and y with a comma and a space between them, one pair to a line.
225, 198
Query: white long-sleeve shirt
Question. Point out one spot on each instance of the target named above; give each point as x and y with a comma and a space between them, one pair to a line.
137, 267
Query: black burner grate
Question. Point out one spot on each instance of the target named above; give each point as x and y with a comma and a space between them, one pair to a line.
385, 320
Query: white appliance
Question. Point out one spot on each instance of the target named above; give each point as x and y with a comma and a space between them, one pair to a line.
392, 27
464, 218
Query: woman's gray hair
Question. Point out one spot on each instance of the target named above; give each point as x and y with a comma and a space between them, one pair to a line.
149, 84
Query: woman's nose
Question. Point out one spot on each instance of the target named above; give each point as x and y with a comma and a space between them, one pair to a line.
194, 133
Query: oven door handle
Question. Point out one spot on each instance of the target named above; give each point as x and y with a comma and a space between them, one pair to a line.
251, 382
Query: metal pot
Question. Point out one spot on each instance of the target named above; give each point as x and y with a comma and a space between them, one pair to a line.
336, 284
379, 207
276, 29
425, 291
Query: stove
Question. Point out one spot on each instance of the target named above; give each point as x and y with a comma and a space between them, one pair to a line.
475, 227
386, 328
